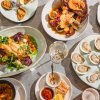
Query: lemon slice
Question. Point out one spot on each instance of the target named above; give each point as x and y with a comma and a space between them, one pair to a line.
58, 97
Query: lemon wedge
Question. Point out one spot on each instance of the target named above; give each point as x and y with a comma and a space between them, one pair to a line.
58, 97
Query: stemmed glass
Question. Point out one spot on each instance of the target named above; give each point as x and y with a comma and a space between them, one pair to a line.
57, 51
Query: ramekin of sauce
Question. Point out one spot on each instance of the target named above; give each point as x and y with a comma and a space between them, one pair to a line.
53, 80
46, 93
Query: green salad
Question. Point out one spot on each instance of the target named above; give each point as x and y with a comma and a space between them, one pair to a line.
17, 51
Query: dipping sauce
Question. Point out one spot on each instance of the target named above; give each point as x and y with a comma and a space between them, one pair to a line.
54, 79
47, 93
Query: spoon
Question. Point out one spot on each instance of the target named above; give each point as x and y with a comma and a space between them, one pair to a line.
52, 70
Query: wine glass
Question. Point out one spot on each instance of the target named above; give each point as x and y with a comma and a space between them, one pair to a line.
57, 51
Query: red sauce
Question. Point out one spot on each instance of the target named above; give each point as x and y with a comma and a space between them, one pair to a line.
47, 93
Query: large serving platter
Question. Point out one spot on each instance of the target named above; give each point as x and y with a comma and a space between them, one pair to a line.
46, 10
12, 15
19, 88
41, 42
42, 82
93, 68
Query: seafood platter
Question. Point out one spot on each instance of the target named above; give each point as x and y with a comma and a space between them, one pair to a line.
86, 60
18, 10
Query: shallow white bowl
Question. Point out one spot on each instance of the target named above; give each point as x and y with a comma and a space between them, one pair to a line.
46, 10
48, 82
41, 42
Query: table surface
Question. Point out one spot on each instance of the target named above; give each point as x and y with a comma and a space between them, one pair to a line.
30, 77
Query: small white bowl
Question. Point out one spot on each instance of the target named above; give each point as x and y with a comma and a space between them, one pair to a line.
41, 97
93, 91
48, 81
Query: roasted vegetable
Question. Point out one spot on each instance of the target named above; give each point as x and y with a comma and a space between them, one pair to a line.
18, 37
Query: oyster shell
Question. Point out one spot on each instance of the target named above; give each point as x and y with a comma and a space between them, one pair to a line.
97, 43
77, 58
24, 1
94, 58
7, 4
82, 69
21, 12
85, 47
94, 77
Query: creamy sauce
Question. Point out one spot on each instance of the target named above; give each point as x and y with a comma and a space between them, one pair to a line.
54, 79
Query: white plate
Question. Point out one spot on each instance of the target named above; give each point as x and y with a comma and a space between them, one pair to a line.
94, 68
42, 82
41, 42
19, 88
11, 15
48, 29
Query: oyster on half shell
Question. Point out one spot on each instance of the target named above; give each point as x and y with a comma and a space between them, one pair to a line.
7, 4
77, 58
94, 58
97, 43
82, 69
85, 47
94, 77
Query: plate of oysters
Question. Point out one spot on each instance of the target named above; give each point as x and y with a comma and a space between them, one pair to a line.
18, 10
86, 60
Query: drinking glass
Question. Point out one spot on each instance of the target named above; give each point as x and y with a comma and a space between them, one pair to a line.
58, 51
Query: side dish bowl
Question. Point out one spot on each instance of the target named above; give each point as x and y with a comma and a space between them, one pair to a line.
40, 40
46, 10
9, 87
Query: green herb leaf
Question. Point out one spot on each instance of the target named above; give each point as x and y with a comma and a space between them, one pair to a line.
33, 41
4, 40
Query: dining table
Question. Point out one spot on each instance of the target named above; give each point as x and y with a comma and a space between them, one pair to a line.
30, 77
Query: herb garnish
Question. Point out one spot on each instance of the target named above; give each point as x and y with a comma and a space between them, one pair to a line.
4, 40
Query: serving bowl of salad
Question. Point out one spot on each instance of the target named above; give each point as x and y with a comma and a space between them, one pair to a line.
21, 47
